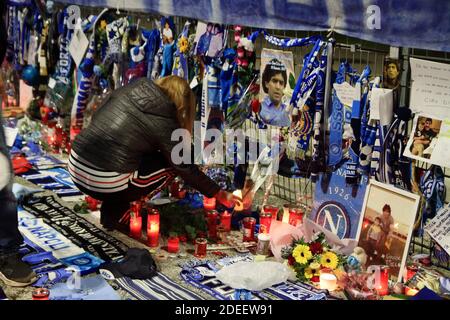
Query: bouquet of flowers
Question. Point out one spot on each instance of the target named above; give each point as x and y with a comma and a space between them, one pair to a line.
308, 258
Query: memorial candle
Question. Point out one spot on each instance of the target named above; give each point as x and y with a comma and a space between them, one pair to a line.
272, 210
295, 216
249, 229
200, 248
225, 221
135, 226
209, 203
173, 244
211, 217
383, 287
265, 220
153, 228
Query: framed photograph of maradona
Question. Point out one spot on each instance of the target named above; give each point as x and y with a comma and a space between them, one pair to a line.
277, 85
387, 222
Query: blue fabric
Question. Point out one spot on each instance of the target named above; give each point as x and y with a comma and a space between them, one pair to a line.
415, 23
274, 116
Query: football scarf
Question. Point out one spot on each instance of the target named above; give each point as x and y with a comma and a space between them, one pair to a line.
152, 39
78, 230
85, 85
432, 186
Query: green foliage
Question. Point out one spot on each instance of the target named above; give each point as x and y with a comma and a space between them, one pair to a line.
291, 81
178, 219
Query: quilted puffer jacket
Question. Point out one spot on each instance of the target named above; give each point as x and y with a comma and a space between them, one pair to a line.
134, 121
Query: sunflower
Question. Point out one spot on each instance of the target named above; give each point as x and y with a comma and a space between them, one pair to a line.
312, 271
302, 254
329, 260
183, 44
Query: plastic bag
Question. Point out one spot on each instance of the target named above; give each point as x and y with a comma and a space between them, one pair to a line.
253, 276
281, 235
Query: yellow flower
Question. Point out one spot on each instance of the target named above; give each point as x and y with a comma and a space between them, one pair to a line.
183, 44
329, 260
302, 254
313, 270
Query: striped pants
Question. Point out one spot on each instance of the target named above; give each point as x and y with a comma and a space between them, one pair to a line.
117, 190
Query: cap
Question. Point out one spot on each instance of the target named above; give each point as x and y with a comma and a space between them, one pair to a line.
137, 264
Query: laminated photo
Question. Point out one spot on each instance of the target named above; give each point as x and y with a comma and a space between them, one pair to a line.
429, 140
277, 84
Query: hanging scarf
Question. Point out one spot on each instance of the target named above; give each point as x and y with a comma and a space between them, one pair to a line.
152, 39
180, 67
432, 186
339, 117
317, 152
85, 85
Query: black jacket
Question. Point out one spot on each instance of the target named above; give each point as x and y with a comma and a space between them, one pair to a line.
134, 121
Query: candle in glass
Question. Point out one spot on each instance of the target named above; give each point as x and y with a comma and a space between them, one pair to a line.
327, 280
209, 203
383, 287
249, 229
135, 226
272, 210
200, 247
173, 244
225, 221
265, 220
295, 216
286, 208
153, 228
211, 217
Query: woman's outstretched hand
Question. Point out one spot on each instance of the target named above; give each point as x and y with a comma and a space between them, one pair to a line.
227, 199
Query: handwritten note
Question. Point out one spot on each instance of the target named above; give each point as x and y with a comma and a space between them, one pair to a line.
439, 228
430, 91
346, 93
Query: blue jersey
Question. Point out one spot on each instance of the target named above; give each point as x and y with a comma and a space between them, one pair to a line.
274, 116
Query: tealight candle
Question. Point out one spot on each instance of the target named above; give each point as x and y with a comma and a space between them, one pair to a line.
327, 280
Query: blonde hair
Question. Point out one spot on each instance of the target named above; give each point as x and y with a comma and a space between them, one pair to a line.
180, 93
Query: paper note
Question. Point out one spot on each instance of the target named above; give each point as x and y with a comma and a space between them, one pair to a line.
381, 105
430, 91
78, 46
10, 135
439, 228
346, 93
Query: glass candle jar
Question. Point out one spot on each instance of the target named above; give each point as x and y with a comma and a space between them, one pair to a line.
271, 209
200, 248
209, 203
265, 220
153, 227
173, 244
249, 229
135, 227
225, 221
263, 244
295, 216
40, 294
211, 218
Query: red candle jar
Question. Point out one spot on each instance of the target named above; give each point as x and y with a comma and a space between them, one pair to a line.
411, 271
41, 294
135, 226
295, 216
153, 228
265, 220
200, 247
173, 244
225, 221
211, 218
383, 287
249, 229
271, 209
209, 203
